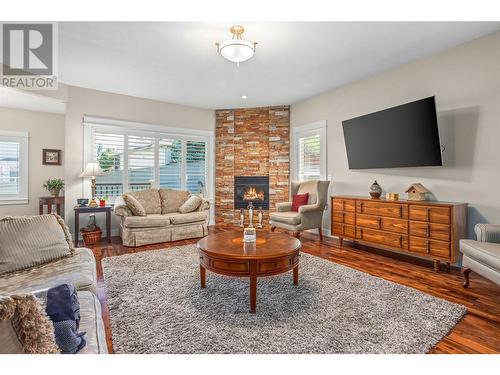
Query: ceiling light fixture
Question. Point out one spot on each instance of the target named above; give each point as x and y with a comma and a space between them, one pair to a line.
243, 96
236, 49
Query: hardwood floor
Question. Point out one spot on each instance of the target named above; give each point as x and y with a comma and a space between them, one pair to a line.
477, 332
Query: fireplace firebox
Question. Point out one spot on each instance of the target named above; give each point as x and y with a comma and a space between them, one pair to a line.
253, 189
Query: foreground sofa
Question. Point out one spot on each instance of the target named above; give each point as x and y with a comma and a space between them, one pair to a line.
163, 221
77, 268
482, 256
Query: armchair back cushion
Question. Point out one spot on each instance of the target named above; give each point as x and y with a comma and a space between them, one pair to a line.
149, 199
29, 241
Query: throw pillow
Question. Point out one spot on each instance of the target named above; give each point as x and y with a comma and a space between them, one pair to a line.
191, 204
299, 200
30, 241
134, 205
24, 327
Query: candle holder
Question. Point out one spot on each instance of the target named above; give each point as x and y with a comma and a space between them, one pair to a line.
260, 216
249, 235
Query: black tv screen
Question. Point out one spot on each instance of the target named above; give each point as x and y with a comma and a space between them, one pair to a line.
402, 136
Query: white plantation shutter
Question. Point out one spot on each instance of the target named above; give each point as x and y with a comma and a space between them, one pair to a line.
310, 152
310, 157
13, 167
109, 152
141, 162
170, 160
137, 159
196, 167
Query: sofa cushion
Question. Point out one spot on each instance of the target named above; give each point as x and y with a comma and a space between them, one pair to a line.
191, 204
92, 323
18, 317
134, 205
288, 217
483, 252
29, 241
191, 217
148, 221
172, 200
78, 269
149, 199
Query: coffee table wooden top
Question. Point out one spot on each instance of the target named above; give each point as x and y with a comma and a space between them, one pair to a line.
230, 245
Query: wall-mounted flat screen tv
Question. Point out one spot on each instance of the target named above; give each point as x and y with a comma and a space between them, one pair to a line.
402, 136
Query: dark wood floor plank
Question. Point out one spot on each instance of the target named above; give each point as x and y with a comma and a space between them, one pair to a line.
477, 332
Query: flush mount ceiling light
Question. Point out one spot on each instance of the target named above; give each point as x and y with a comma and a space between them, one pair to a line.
236, 49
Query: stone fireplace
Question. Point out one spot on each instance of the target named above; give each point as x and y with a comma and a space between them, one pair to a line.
253, 189
251, 143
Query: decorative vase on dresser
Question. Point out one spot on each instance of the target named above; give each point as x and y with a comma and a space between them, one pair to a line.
422, 228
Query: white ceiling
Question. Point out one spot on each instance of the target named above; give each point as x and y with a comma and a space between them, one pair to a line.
177, 62
11, 98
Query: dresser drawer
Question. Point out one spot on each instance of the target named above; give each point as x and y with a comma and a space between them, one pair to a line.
382, 223
430, 230
435, 248
383, 238
431, 214
347, 205
270, 266
344, 217
343, 230
396, 210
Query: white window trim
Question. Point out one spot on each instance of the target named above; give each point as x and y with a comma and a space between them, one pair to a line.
23, 138
136, 128
305, 130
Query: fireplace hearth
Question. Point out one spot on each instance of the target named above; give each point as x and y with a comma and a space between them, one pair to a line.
253, 189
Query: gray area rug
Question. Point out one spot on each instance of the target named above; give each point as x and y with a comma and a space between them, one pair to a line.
157, 306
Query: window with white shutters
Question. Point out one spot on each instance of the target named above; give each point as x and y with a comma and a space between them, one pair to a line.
13, 167
140, 159
310, 152
109, 153
196, 168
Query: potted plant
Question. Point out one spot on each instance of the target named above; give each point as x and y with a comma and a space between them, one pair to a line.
54, 186
102, 201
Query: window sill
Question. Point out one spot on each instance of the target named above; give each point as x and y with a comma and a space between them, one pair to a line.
6, 202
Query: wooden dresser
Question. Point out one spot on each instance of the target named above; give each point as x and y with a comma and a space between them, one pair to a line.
423, 228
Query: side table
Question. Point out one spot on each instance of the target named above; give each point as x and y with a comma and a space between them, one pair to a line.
49, 202
87, 210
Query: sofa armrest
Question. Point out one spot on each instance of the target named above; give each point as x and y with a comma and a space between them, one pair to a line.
308, 208
120, 208
284, 206
487, 233
205, 205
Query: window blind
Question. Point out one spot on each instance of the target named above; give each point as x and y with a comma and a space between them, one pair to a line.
170, 163
141, 162
109, 153
196, 168
309, 158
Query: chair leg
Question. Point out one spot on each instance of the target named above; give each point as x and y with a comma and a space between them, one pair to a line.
465, 273
273, 228
320, 230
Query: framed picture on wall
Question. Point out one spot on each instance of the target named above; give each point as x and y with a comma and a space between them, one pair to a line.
51, 157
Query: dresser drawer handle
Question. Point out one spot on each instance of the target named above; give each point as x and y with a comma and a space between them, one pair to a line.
428, 246
379, 223
428, 214
361, 207
361, 233
427, 230
343, 217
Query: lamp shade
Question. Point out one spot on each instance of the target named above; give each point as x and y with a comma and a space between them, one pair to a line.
92, 170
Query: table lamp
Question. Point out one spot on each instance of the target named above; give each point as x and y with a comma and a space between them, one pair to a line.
92, 170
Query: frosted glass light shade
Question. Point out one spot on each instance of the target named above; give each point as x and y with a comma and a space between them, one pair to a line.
237, 50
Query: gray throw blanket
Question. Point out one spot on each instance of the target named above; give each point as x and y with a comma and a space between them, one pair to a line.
63, 308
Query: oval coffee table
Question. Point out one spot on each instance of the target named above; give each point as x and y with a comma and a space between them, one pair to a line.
227, 254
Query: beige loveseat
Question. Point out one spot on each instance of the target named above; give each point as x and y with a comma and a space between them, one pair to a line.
163, 221
78, 269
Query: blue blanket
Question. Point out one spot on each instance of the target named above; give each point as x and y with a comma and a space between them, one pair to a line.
63, 308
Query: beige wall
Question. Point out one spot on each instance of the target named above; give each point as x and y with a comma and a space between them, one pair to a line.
82, 102
466, 83
46, 130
